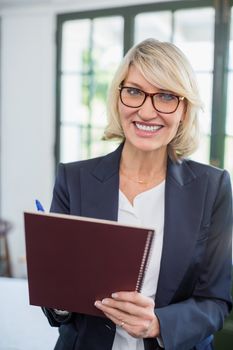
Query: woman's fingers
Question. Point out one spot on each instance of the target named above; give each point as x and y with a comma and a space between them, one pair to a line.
131, 303
125, 306
133, 312
117, 315
134, 297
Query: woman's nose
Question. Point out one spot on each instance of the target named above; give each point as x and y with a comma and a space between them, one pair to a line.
147, 110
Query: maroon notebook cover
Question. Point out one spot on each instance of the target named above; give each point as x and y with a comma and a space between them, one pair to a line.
73, 261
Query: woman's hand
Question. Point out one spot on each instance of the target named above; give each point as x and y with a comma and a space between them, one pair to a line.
133, 312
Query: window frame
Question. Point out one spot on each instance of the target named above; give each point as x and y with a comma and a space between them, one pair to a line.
220, 71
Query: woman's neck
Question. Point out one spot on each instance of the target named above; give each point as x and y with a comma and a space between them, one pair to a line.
142, 166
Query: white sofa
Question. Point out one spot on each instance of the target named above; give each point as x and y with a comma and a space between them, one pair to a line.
22, 326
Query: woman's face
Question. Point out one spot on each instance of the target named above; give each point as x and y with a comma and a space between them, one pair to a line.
144, 127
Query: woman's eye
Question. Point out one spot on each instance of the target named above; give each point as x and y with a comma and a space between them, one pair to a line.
134, 92
167, 97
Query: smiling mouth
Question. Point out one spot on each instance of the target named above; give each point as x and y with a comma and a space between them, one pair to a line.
150, 128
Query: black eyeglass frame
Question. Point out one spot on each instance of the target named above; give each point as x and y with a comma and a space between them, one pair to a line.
151, 95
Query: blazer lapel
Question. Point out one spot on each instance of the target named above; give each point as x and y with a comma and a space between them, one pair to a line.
100, 188
184, 202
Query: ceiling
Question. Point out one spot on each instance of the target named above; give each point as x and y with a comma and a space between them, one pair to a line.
18, 3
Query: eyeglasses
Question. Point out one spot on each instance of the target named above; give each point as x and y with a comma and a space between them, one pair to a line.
163, 102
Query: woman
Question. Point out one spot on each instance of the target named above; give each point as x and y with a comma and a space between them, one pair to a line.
153, 105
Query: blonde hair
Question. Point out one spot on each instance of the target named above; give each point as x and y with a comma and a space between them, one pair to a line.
164, 65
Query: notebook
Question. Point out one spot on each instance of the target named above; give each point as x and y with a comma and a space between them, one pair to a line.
73, 261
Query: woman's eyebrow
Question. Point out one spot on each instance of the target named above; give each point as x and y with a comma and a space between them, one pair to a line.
133, 83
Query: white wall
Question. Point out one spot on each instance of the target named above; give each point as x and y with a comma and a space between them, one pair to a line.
27, 110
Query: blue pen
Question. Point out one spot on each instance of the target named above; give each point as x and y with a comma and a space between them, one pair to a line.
39, 206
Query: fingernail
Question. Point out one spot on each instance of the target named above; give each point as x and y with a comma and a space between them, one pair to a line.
97, 303
114, 295
104, 301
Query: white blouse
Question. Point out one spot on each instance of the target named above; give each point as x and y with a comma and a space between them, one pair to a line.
147, 210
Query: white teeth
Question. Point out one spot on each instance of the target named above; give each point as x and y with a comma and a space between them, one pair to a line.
147, 127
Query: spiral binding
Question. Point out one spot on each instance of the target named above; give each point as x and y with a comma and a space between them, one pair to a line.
144, 262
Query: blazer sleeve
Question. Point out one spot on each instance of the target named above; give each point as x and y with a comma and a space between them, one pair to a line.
185, 324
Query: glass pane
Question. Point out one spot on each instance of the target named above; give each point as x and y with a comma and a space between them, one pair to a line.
231, 42
229, 121
194, 35
228, 158
99, 146
74, 98
228, 161
203, 151
98, 104
106, 56
107, 43
71, 138
205, 88
205, 85
75, 142
153, 25
75, 45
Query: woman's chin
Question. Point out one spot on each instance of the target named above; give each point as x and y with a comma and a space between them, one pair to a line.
147, 146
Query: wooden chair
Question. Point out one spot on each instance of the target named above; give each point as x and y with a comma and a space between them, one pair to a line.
5, 266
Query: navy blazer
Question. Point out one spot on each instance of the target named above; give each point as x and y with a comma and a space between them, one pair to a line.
193, 294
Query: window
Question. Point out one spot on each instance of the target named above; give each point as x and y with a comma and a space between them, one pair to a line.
86, 64
194, 35
192, 30
156, 25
